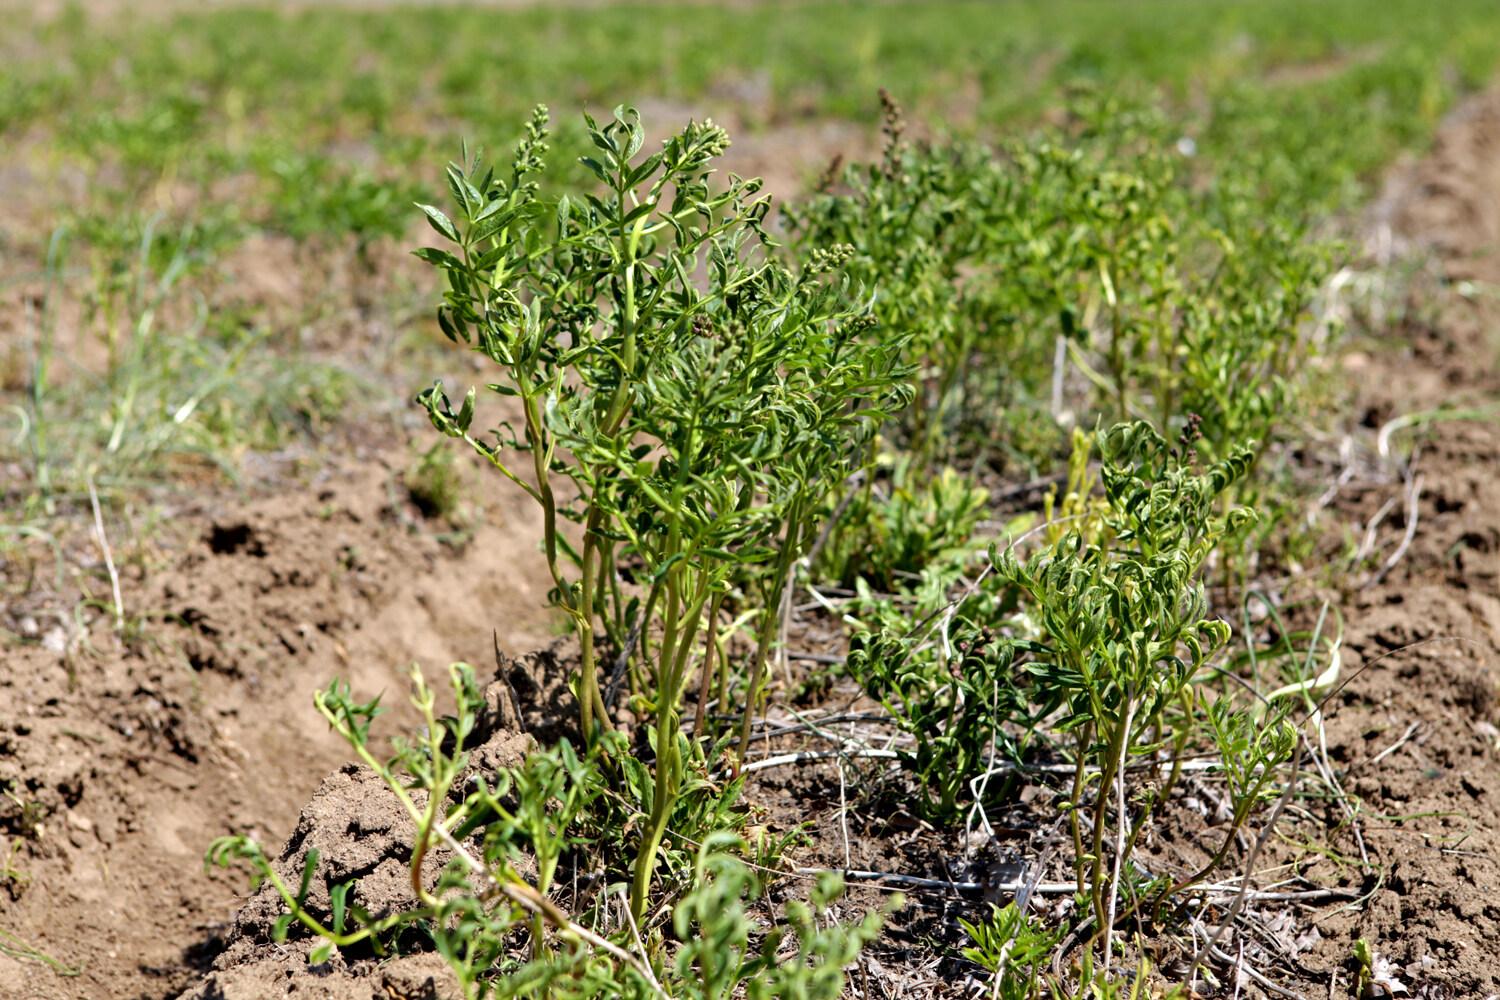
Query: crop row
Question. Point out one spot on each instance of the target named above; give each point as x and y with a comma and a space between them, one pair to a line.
718, 408
711, 420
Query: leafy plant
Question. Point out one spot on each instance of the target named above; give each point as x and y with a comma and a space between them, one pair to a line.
718, 959
493, 825
910, 523
953, 694
1014, 950
1122, 634
1076, 275
1105, 635
315, 198
908, 218
550, 791
688, 427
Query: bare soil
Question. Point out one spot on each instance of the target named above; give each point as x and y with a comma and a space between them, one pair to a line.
134, 753
1414, 727
139, 753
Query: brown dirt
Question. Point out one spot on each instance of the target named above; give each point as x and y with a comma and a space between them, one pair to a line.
1421, 645
131, 756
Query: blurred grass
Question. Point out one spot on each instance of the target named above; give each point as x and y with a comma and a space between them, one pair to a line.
139, 153
314, 99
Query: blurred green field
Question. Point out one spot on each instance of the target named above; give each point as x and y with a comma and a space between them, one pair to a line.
332, 108
204, 209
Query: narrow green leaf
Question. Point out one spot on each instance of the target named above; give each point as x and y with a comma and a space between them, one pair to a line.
440, 222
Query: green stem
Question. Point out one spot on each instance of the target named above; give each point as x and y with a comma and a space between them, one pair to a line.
536, 439
1114, 759
1075, 825
678, 639
705, 681
590, 699
766, 632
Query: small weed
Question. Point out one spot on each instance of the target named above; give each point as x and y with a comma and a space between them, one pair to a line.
21, 816
15, 880
1014, 950
532, 816
13, 946
434, 484
903, 528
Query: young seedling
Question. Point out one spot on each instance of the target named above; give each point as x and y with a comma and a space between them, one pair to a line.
494, 824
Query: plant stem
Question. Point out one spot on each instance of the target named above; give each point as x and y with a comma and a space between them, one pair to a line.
768, 621
1075, 826
676, 647
1110, 767
705, 681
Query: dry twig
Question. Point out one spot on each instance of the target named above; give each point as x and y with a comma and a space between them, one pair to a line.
109, 559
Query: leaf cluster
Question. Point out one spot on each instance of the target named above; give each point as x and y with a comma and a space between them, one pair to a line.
688, 399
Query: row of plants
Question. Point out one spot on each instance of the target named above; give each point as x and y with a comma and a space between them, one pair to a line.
199, 130
710, 420
328, 115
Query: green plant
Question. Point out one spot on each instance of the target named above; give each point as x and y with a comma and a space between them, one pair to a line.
717, 957
1014, 950
15, 880
689, 428
15, 947
489, 825
1105, 636
433, 482
1121, 638
953, 693
1076, 275
421, 775
1115, 616
480, 896
1373, 975
314, 199
910, 523
22, 816
908, 218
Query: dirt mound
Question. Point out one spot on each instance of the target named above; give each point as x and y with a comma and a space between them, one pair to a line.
284, 972
128, 755
362, 836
